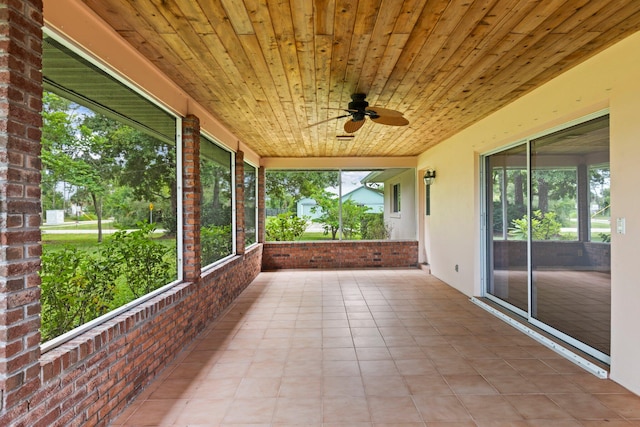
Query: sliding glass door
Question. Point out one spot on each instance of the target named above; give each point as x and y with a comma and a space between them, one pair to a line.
548, 233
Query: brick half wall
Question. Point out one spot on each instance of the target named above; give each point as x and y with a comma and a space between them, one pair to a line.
91, 379
339, 254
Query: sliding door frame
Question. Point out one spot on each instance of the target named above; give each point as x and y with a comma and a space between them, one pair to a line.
486, 239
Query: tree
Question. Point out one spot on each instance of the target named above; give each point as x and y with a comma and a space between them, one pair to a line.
216, 193
93, 166
60, 120
285, 188
96, 154
328, 206
75, 150
148, 167
553, 185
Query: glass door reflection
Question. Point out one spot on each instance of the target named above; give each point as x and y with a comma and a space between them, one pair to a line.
507, 203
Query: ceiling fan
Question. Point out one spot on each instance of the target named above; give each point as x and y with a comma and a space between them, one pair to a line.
359, 110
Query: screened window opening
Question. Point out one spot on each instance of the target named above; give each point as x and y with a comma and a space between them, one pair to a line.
216, 222
109, 194
336, 205
250, 204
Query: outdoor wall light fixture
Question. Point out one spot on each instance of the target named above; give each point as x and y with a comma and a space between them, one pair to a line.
429, 177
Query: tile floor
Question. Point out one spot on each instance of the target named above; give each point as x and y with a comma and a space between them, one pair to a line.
371, 348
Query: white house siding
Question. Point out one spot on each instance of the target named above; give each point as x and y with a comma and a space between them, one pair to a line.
403, 224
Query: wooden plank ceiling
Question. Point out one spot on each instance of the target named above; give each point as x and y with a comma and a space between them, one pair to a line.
270, 69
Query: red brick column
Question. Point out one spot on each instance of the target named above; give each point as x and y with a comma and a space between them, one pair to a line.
240, 225
20, 124
261, 204
191, 194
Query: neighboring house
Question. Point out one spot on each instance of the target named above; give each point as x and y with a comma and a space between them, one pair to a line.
305, 208
363, 196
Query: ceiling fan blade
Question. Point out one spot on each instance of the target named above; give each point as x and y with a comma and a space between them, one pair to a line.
390, 120
384, 111
350, 126
329, 119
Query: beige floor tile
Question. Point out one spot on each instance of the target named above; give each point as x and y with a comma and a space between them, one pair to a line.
583, 406
310, 342
385, 386
218, 388
331, 332
379, 348
416, 367
333, 342
469, 384
156, 412
373, 353
339, 354
512, 384
340, 368
258, 387
626, 405
255, 410
538, 407
393, 410
378, 368
432, 384
369, 341
345, 409
557, 423
490, 408
343, 386
303, 386
302, 354
441, 408
270, 355
297, 410
406, 352
303, 367
175, 389
453, 365
203, 411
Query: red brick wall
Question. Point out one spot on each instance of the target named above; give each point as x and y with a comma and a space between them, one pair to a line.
20, 124
90, 379
240, 225
191, 189
261, 204
339, 254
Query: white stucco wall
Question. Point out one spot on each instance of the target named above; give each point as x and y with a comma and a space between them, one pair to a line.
403, 224
608, 80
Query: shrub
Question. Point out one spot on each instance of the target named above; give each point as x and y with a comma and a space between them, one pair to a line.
79, 286
216, 243
76, 288
285, 227
544, 226
373, 227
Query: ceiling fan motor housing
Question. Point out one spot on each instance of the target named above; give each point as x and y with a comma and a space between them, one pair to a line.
358, 106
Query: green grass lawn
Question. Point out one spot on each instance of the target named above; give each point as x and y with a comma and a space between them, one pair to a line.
318, 235
88, 242
79, 226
